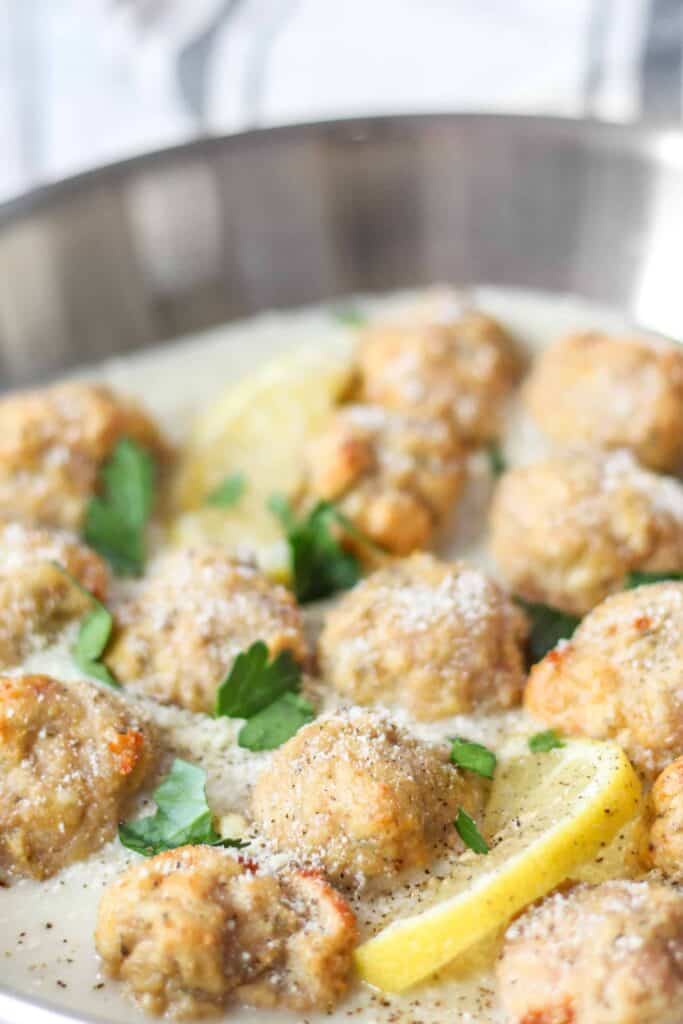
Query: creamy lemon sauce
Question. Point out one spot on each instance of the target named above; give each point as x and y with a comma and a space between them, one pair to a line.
46, 929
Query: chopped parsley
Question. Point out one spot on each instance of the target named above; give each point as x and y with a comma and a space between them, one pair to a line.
94, 634
319, 563
350, 316
116, 519
542, 742
182, 817
497, 461
548, 626
641, 579
267, 695
474, 757
469, 833
228, 492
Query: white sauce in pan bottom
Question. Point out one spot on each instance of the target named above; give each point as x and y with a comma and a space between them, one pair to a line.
46, 929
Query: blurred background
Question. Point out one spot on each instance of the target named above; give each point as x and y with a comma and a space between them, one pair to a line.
84, 82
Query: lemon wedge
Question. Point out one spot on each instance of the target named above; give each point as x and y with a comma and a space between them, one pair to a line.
547, 814
258, 427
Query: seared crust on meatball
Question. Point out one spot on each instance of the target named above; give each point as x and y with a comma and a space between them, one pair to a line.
619, 677
395, 476
460, 369
70, 756
193, 927
567, 530
179, 636
358, 797
612, 392
605, 954
37, 599
439, 638
52, 442
666, 832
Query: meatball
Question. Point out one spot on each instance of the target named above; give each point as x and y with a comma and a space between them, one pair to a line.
52, 442
395, 476
37, 599
439, 638
666, 833
358, 797
613, 392
70, 757
605, 954
566, 530
193, 927
620, 676
179, 636
461, 368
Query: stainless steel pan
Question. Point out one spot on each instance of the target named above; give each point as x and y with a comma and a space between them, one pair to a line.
142, 251
139, 252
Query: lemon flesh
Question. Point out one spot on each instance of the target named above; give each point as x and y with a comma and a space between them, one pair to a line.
258, 427
548, 814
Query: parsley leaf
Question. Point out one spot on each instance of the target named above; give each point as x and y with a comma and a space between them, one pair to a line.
275, 724
351, 316
542, 742
94, 634
474, 757
320, 565
115, 520
469, 833
228, 492
252, 684
641, 579
548, 626
497, 461
182, 817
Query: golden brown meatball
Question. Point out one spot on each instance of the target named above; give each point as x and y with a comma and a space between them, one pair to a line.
70, 756
356, 796
180, 635
461, 369
52, 442
395, 476
440, 638
612, 392
666, 833
566, 530
605, 954
619, 677
37, 599
192, 928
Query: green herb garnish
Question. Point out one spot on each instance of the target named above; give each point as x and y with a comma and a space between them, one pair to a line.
542, 742
497, 461
351, 316
228, 492
94, 634
182, 817
266, 694
548, 626
320, 565
115, 520
474, 757
641, 579
469, 833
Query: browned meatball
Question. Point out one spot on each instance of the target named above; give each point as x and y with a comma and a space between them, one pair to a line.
666, 833
52, 443
567, 530
180, 635
357, 796
613, 392
70, 756
620, 676
37, 599
192, 928
461, 368
395, 476
605, 954
440, 638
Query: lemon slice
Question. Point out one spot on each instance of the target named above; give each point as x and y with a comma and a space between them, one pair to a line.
548, 813
259, 427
